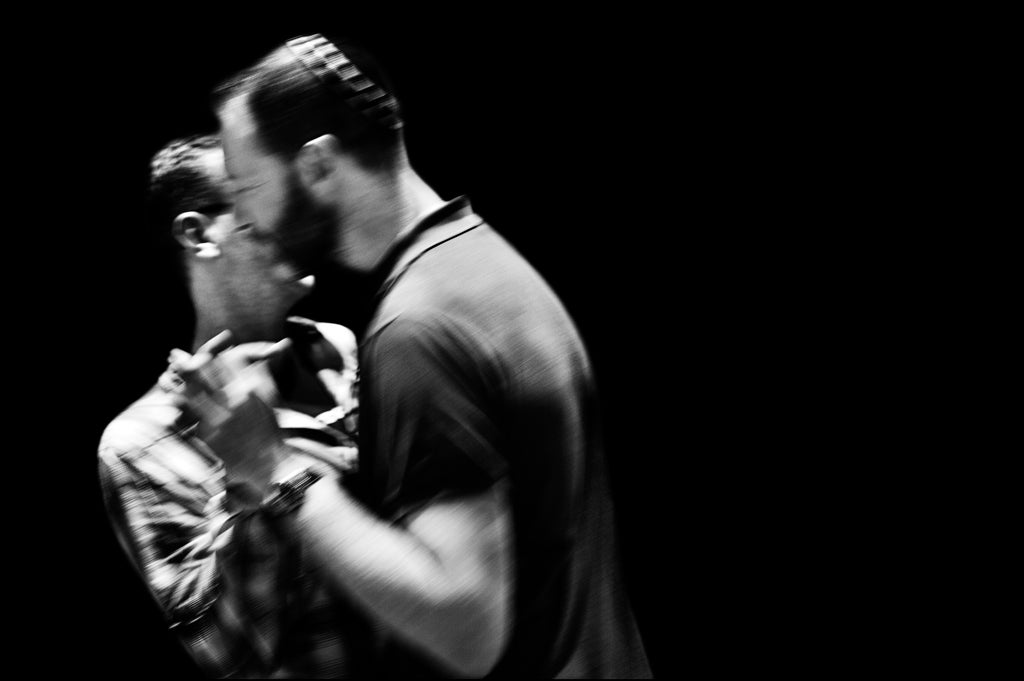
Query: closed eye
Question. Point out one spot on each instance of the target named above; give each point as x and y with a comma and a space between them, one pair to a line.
215, 209
236, 190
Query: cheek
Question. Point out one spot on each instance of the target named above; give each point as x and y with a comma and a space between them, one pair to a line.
252, 208
260, 207
273, 195
269, 206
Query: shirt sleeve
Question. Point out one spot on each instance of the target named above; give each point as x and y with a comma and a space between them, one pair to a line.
170, 545
185, 555
434, 430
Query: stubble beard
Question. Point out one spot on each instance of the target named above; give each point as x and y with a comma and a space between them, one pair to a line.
308, 231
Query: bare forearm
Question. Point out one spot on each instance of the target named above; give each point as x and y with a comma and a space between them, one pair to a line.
421, 584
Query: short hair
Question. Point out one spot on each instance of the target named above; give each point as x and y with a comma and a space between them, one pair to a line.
292, 105
180, 180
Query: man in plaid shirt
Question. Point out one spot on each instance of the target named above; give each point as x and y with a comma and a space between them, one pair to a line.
239, 595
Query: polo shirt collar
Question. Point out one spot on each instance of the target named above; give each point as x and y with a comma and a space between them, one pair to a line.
448, 221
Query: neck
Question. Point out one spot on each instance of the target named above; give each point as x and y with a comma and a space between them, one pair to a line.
218, 312
419, 200
380, 214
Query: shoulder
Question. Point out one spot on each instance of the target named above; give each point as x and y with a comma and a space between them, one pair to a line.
429, 348
149, 444
146, 420
422, 326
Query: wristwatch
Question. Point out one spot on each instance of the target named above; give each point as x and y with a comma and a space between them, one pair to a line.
287, 495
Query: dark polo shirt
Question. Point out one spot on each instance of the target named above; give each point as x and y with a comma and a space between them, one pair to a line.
472, 373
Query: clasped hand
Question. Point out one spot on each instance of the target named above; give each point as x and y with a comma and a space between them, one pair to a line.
229, 390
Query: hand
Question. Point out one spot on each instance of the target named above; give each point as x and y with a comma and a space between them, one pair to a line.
229, 391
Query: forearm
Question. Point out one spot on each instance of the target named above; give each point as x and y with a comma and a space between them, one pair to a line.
420, 583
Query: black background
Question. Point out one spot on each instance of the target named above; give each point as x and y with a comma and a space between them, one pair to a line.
705, 189
563, 131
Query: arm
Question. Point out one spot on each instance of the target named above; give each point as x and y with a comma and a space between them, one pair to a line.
442, 582
183, 555
230, 391
173, 551
441, 579
175, 555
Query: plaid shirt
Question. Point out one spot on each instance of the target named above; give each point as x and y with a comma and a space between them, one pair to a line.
236, 593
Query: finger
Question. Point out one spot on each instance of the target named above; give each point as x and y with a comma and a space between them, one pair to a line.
178, 356
177, 360
258, 364
206, 352
217, 344
276, 350
170, 382
255, 379
208, 377
197, 378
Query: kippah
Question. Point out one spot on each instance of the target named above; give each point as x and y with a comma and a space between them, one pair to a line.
325, 61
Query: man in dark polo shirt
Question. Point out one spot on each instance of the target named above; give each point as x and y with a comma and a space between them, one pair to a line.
477, 378
481, 539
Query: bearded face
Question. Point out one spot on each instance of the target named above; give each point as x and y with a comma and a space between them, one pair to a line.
268, 196
306, 233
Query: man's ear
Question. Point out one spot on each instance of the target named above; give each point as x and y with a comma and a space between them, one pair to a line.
190, 229
316, 162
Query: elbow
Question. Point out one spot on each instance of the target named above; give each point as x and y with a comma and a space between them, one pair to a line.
475, 663
485, 637
473, 669
481, 661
